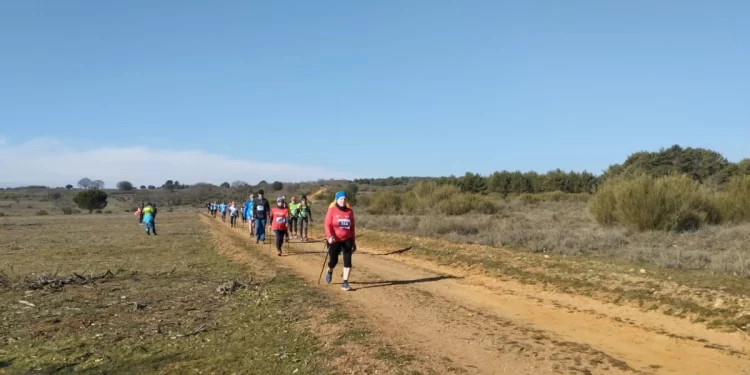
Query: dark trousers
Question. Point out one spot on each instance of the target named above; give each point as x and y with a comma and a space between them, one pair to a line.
233, 220
340, 247
280, 234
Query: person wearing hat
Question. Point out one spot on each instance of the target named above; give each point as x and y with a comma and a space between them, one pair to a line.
340, 236
261, 212
279, 217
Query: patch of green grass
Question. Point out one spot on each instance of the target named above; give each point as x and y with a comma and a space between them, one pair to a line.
143, 318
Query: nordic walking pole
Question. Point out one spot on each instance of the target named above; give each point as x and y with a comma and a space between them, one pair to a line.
325, 247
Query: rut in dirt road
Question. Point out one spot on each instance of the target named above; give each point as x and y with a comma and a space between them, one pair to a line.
448, 315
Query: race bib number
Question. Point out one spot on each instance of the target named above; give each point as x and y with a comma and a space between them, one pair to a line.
261, 208
294, 212
345, 223
281, 220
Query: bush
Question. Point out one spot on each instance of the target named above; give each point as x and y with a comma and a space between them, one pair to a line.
91, 199
385, 203
2, 214
673, 202
108, 212
733, 204
460, 204
42, 213
602, 205
76, 212
98, 211
67, 211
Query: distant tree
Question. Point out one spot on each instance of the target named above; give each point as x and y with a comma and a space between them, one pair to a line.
225, 185
91, 199
168, 185
125, 186
68, 186
352, 187
276, 186
177, 185
263, 182
84, 183
143, 187
151, 187
54, 196
473, 183
239, 183
97, 184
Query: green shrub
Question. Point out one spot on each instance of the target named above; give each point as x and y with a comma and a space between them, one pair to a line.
527, 198
673, 202
98, 211
459, 204
444, 192
108, 212
67, 210
385, 203
485, 206
76, 212
733, 204
603, 204
424, 189
2, 214
42, 213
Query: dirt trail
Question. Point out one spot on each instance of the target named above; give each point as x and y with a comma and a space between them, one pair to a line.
487, 326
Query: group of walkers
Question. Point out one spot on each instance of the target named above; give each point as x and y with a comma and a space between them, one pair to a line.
147, 217
292, 219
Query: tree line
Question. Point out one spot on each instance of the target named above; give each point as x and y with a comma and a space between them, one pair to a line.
703, 165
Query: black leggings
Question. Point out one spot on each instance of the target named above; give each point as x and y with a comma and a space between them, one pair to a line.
293, 222
333, 253
279, 234
233, 220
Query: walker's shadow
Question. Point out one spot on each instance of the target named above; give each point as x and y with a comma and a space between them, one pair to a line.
377, 284
304, 253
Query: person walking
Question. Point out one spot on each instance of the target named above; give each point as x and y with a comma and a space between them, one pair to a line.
232, 214
138, 214
261, 210
340, 236
279, 222
148, 218
223, 210
293, 217
249, 217
140, 219
305, 217
153, 220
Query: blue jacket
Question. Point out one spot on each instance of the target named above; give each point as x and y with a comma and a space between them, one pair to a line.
248, 210
222, 207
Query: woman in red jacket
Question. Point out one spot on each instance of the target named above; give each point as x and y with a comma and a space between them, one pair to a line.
279, 222
339, 226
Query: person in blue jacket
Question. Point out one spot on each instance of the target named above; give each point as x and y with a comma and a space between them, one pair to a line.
223, 210
249, 214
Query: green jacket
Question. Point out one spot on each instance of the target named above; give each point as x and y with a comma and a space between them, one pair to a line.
304, 211
293, 209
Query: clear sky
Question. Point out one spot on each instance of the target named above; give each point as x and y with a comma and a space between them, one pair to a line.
300, 90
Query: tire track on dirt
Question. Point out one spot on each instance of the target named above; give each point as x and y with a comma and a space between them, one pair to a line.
445, 315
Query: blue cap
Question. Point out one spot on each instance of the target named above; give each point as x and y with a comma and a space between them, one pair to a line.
340, 194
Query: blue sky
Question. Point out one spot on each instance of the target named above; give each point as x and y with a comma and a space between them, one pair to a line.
353, 88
